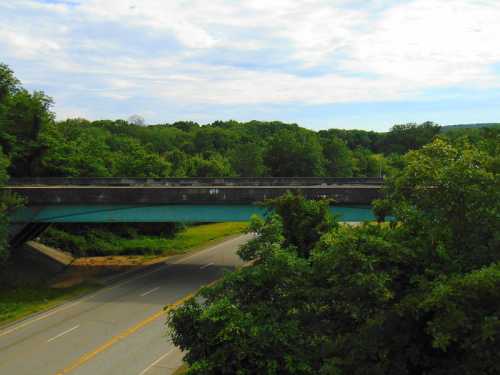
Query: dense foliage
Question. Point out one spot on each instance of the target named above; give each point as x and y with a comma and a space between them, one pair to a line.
78, 147
419, 296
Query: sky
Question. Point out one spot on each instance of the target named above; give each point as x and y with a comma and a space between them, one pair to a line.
319, 63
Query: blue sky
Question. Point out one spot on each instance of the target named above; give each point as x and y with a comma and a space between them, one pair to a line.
320, 63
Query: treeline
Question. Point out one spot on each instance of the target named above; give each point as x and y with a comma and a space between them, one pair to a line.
470, 126
34, 144
78, 147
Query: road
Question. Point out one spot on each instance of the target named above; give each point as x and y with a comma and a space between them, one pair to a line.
119, 329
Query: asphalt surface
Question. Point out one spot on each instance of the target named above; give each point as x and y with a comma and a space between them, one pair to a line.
119, 329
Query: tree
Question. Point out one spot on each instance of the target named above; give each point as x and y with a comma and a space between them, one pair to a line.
338, 158
304, 221
212, 139
405, 137
236, 320
294, 153
215, 165
9, 84
448, 192
22, 117
247, 160
364, 163
130, 158
76, 150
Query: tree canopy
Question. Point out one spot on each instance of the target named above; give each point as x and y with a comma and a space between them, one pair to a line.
420, 296
37, 145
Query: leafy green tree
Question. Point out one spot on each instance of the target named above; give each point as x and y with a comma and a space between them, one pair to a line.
449, 194
355, 138
339, 162
212, 139
463, 324
364, 163
247, 160
75, 150
186, 126
215, 165
294, 153
236, 330
9, 84
22, 117
304, 221
405, 137
133, 159
26, 114
180, 162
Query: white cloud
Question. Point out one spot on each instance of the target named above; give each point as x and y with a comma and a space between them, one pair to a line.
25, 45
282, 51
432, 43
156, 15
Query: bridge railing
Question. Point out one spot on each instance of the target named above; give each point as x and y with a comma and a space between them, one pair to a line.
197, 181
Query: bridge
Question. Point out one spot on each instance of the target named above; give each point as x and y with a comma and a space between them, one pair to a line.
108, 200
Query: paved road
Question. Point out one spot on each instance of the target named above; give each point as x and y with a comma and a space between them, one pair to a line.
118, 330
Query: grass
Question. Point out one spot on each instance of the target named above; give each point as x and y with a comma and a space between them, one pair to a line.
199, 235
181, 370
99, 242
19, 302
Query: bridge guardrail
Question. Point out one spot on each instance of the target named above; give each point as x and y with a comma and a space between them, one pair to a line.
197, 181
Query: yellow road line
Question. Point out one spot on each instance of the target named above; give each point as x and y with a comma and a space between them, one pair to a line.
108, 344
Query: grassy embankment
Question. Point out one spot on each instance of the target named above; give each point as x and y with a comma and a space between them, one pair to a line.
21, 301
97, 242
20, 298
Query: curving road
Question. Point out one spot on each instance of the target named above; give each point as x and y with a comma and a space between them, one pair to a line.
119, 329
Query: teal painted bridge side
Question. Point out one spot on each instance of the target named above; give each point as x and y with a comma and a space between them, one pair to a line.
160, 213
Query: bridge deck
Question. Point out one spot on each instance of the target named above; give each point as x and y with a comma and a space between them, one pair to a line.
43, 195
205, 181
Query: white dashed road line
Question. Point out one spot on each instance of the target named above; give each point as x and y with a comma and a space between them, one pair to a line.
156, 362
63, 333
206, 265
149, 292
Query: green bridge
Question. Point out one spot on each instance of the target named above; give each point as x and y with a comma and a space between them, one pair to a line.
161, 213
113, 200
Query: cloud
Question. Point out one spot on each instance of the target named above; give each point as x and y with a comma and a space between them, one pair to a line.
227, 53
431, 43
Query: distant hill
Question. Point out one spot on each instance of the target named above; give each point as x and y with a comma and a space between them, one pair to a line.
466, 126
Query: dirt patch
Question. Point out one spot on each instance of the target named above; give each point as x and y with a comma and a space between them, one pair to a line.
94, 268
117, 261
